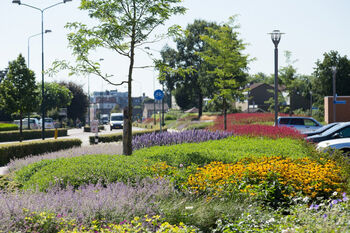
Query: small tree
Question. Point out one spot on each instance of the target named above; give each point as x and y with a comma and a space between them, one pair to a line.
121, 26
18, 90
224, 53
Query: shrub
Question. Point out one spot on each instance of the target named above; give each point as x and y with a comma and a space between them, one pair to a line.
167, 138
119, 136
23, 149
113, 203
263, 131
8, 127
226, 150
202, 125
10, 136
88, 128
77, 171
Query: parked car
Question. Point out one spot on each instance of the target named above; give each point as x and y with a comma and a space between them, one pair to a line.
320, 130
342, 144
105, 119
341, 130
116, 121
34, 123
302, 124
49, 124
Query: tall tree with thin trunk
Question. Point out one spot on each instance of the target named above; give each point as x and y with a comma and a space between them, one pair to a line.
18, 90
121, 26
224, 53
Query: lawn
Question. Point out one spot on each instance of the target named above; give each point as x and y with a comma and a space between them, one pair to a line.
193, 181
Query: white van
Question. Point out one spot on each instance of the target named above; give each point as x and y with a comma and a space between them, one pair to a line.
34, 123
48, 123
116, 121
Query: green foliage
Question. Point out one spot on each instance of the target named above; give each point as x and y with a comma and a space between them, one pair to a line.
8, 127
77, 171
227, 150
119, 136
56, 96
10, 136
322, 83
18, 89
202, 125
23, 149
79, 104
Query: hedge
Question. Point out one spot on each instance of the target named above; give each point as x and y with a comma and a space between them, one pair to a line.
8, 127
10, 136
116, 137
23, 149
88, 128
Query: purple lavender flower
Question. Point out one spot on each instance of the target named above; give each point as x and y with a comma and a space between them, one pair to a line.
167, 138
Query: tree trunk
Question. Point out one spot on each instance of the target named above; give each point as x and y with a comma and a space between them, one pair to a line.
20, 126
200, 103
225, 114
127, 137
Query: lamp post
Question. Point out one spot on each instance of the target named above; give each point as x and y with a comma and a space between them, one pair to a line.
334, 72
276, 37
42, 56
28, 60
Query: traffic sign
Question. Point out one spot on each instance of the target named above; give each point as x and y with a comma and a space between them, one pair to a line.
94, 126
158, 94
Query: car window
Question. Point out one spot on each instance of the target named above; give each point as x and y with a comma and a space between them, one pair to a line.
284, 121
116, 118
48, 120
309, 122
345, 133
297, 121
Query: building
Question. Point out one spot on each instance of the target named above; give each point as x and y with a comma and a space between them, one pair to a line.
149, 109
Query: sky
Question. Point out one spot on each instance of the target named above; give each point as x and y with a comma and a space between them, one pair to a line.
311, 27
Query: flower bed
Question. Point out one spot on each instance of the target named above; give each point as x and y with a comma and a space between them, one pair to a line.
262, 131
171, 138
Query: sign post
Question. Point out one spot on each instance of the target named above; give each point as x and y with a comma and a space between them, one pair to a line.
94, 129
159, 95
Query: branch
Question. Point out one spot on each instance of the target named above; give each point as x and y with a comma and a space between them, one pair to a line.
143, 67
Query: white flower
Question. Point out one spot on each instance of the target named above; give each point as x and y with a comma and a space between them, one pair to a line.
188, 207
335, 194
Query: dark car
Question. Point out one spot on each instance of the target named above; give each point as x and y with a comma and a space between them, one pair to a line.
341, 130
320, 130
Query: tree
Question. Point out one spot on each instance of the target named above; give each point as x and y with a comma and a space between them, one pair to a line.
56, 96
121, 26
78, 107
224, 52
116, 109
322, 84
18, 90
187, 65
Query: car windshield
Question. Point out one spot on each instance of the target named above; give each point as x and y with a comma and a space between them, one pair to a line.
334, 129
116, 118
325, 127
48, 120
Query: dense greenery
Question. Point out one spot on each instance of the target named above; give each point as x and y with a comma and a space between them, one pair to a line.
10, 136
8, 127
21, 150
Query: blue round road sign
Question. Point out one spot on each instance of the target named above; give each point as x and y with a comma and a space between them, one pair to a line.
158, 94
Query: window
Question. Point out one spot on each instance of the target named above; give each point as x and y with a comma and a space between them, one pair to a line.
284, 121
345, 133
309, 122
297, 121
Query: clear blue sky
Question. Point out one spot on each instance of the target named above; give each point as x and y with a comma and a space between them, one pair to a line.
312, 28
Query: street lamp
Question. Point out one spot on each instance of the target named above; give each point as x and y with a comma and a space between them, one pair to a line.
42, 56
334, 72
276, 37
46, 31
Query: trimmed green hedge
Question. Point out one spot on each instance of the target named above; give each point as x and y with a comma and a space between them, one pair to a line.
10, 136
119, 136
88, 128
8, 127
23, 149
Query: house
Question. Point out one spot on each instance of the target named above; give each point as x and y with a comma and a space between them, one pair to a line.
256, 96
150, 108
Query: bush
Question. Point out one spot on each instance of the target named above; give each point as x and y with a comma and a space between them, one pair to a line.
119, 136
10, 136
8, 127
23, 149
88, 128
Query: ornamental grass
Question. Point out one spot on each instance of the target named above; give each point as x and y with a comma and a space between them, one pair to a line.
298, 176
